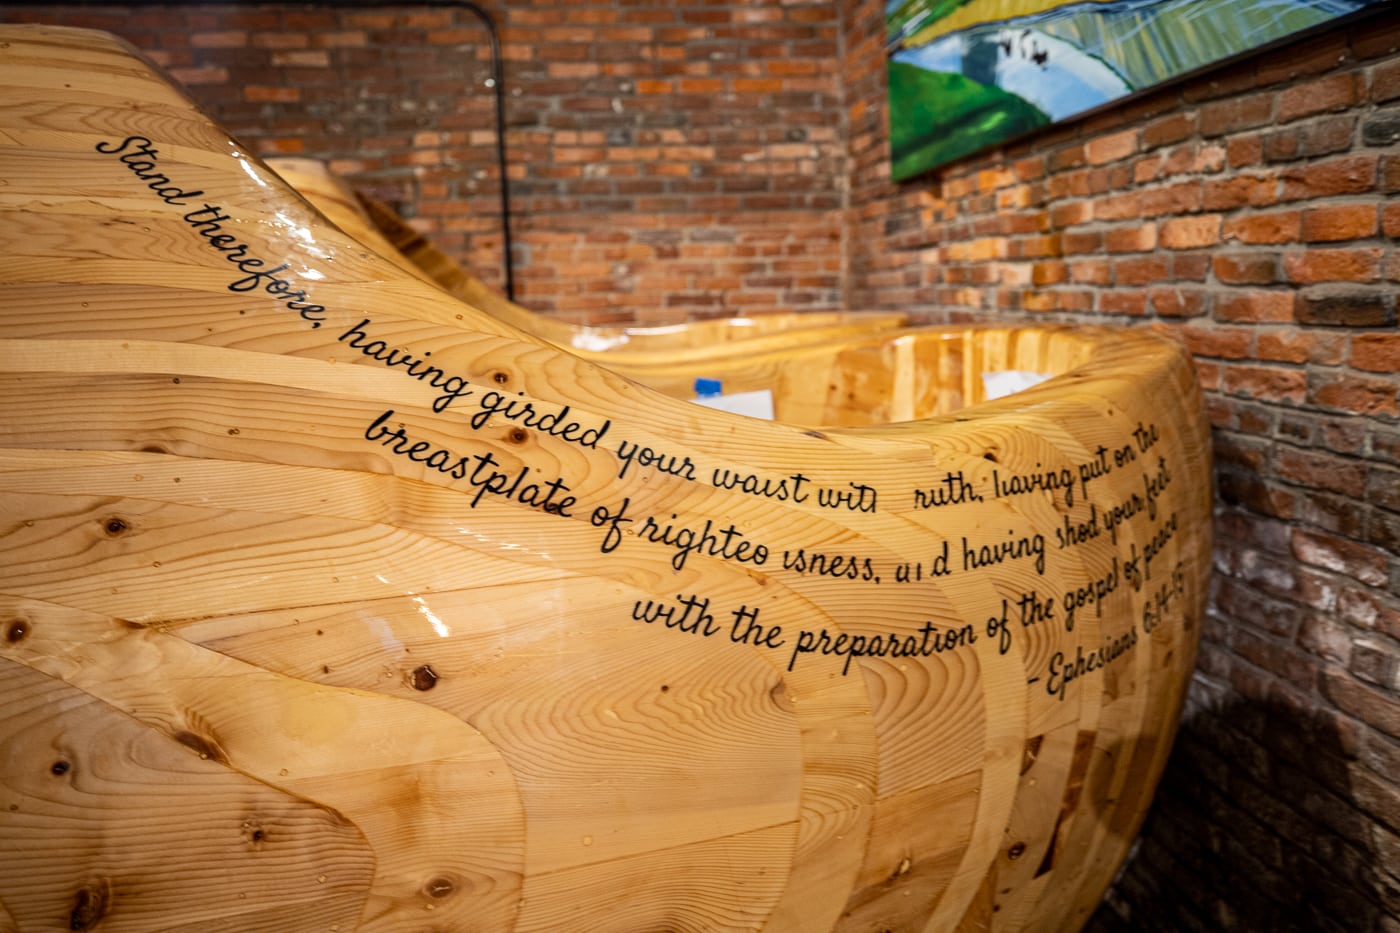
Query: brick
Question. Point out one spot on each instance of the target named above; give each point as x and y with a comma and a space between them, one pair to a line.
1356, 394
1235, 113
1135, 239
1179, 302
1311, 139
1269, 383
301, 58
1169, 129
1243, 151
1390, 173
1220, 194
1091, 271
1373, 707
1341, 556
1383, 488
226, 39
1190, 267
1289, 346
1298, 346
258, 94
1220, 83
1140, 271
1252, 268
1333, 265
349, 39
1312, 56
1125, 206
1070, 214
1333, 223
1381, 128
1132, 303
1273, 227
1322, 636
1331, 92
1073, 156
1049, 273
1376, 352
1112, 148
1077, 242
200, 75
1113, 178
1385, 82
1390, 220
1209, 160
1182, 198
1375, 661
1230, 343
1256, 306
1191, 232
1345, 435
1276, 657
1147, 169
1343, 307
1383, 530
1364, 609
1321, 470
1349, 175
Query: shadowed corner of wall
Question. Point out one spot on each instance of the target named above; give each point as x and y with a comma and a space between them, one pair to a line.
1255, 827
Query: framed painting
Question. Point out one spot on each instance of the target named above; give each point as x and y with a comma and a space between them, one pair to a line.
967, 74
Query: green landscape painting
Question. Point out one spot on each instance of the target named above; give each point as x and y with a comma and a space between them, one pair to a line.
967, 74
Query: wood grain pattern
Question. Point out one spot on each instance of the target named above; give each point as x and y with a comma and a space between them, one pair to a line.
484, 634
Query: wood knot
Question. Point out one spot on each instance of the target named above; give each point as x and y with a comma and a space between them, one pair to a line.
518, 436
1016, 851
500, 377
439, 887
423, 678
60, 768
778, 693
17, 631
116, 526
207, 748
89, 906
253, 832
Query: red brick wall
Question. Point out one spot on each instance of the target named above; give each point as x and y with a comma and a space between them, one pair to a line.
1253, 214
668, 160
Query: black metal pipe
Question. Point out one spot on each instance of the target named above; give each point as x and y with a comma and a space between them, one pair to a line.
497, 86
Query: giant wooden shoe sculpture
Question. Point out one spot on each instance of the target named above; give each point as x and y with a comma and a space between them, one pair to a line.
331, 603
617, 345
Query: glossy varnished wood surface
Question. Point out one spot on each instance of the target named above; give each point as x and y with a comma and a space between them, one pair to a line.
308, 622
